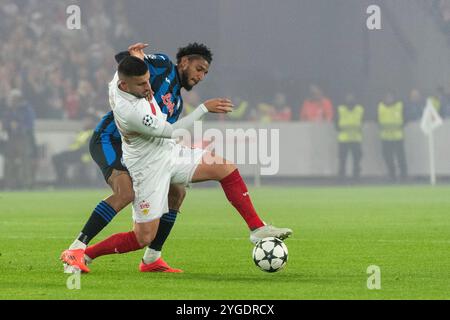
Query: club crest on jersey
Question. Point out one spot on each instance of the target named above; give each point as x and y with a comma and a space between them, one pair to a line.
145, 207
167, 101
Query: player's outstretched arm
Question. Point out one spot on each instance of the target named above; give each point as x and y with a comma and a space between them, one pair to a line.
219, 105
149, 125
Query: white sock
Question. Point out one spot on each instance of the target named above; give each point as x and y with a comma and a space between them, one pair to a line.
151, 255
77, 244
87, 260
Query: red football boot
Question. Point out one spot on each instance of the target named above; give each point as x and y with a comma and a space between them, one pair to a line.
158, 266
73, 260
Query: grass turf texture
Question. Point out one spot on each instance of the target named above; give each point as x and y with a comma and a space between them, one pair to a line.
338, 233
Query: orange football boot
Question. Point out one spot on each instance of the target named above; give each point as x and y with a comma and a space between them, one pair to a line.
74, 259
158, 266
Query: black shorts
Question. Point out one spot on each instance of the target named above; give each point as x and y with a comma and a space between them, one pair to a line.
107, 153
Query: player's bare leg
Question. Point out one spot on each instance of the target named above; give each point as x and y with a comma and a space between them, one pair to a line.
122, 187
177, 193
123, 194
142, 235
152, 260
145, 232
215, 168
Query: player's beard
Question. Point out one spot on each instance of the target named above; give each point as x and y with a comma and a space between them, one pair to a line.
140, 96
185, 82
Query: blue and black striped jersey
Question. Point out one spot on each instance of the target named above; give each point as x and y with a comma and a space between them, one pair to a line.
166, 84
107, 129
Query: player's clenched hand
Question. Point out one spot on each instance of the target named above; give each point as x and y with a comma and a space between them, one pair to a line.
219, 105
137, 50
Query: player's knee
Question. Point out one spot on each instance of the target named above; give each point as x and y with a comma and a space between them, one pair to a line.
227, 169
143, 242
126, 196
144, 239
230, 167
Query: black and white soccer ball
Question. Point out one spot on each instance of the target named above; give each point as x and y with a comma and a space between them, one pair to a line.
270, 254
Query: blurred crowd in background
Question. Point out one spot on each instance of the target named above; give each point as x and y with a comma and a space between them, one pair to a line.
62, 74
441, 9
51, 72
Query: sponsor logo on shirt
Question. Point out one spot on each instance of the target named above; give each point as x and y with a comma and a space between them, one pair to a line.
167, 100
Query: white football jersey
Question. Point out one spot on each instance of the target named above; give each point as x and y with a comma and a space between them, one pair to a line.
141, 124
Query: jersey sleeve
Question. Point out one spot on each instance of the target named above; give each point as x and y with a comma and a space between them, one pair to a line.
158, 60
112, 90
144, 122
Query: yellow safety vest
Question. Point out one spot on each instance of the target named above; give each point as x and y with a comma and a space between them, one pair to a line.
391, 121
265, 110
81, 141
239, 111
350, 123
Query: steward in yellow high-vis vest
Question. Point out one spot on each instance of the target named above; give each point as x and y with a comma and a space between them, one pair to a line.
81, 144
239, 110
349, 120
77, 154
350, 123
391, 121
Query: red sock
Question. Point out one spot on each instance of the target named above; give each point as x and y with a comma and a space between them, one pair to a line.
117, 243
237, 193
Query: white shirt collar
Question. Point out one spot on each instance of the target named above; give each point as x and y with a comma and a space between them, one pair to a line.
126, 95
115, 84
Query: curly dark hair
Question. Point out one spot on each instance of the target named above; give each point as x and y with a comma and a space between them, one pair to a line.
195, 49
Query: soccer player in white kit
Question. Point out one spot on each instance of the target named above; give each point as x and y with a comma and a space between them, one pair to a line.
155, 160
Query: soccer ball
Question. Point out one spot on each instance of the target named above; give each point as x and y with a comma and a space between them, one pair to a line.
270, 254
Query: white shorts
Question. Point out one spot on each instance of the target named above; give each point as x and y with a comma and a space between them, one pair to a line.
151, 186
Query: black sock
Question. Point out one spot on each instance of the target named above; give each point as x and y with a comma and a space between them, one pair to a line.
100, 217
165, 226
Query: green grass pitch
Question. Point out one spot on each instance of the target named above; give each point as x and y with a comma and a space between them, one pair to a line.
338, 234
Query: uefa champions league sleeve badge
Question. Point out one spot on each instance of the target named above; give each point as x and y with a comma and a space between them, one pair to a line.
150, 121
